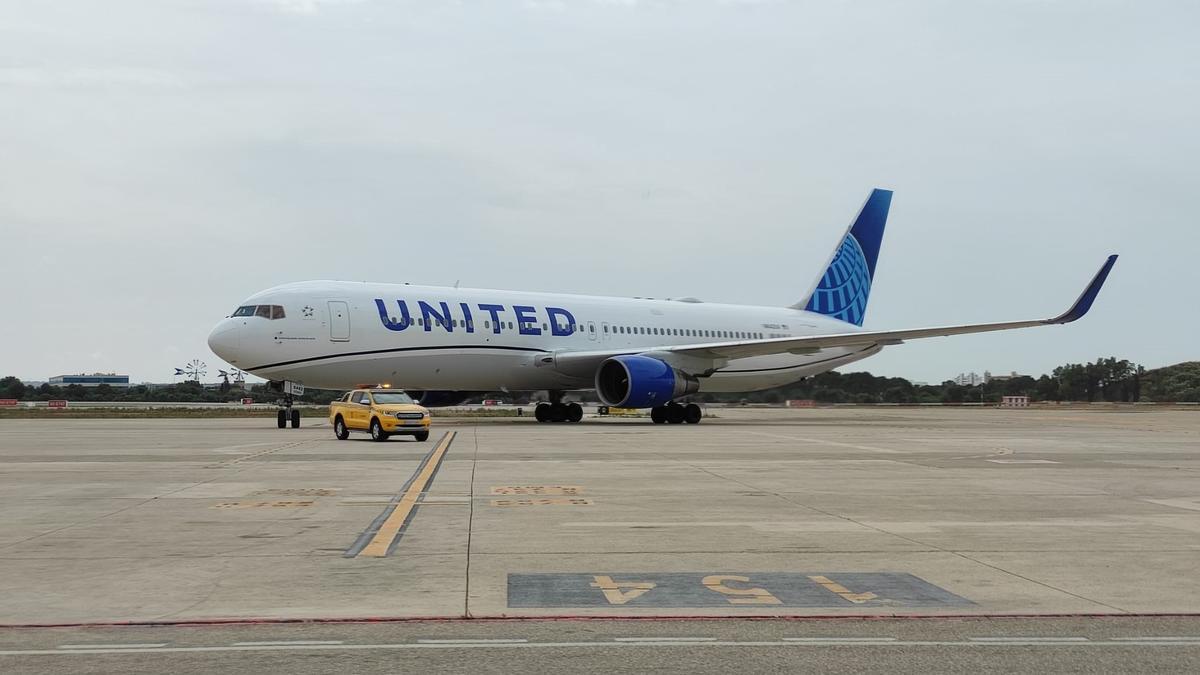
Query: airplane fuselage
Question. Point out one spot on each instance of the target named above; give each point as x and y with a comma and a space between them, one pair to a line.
335, 334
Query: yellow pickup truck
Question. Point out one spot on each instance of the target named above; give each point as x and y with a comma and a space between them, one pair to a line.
383, 413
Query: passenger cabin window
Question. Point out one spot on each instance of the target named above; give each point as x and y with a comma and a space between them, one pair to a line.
358, 397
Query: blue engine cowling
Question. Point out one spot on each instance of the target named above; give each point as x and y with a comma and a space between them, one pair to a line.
641, 382
436, 399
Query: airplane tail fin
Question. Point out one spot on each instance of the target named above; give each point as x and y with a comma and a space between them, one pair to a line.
843, 289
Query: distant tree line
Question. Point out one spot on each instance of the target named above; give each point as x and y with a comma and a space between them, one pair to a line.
183, 392
1106, 379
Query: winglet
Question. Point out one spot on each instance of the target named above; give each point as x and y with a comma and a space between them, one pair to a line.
1084, 303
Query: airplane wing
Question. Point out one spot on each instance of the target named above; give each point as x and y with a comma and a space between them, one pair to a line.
717, 353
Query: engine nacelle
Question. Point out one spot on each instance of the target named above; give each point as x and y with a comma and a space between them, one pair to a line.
438, 399
641, 382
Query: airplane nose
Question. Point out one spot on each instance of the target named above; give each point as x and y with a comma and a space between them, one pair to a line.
225, 340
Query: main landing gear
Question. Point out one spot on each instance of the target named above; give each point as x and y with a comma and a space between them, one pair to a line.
557, 411
674, 413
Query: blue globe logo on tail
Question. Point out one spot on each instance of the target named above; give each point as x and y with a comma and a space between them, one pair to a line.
843, 291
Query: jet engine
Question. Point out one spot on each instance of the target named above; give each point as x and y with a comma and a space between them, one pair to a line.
635, 381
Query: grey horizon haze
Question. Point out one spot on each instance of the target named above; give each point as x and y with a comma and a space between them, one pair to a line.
160, 161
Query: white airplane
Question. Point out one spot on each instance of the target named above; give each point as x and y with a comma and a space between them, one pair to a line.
442, 344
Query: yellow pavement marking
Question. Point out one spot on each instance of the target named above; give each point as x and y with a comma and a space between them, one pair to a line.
741, 596
834, 587
613, 593
536, 489
544, 501
382, 541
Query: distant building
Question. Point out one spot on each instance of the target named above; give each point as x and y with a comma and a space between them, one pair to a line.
93, 380
975, 379
988, 377
969, 379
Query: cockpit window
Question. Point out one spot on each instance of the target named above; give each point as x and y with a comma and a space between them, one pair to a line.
265, 311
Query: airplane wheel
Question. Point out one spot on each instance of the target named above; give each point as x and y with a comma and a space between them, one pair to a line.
658, 414
340, 431
675, 413
295, 418
281, 419
692, 413
558, 412
377, 432
574, 412
542, 412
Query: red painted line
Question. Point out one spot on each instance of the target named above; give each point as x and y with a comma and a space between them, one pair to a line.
582, 618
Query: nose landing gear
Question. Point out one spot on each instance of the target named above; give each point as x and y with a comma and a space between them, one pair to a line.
287, 413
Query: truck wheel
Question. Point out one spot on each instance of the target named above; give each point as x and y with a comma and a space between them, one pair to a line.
281, 419
377, 432
421, 436
295, 418
339, 429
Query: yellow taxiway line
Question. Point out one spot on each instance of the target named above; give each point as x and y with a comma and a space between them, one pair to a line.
382, 541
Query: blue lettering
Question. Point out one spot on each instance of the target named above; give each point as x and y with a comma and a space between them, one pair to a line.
388, 322
467, 317
527, 320
494, 310
555, 327
443, 319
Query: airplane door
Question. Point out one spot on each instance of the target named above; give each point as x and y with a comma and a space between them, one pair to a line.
604, 331
339, 321
592, 331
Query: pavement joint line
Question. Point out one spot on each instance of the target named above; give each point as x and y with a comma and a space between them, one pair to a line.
600, 618
276, 643
378, 539
838, 444
839, 639
140, 645
664, 639
1028, 639
598, 644
474, 641
1180, 638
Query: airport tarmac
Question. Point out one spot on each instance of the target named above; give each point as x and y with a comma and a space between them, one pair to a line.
893, 512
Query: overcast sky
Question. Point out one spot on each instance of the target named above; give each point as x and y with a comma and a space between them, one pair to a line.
162, 160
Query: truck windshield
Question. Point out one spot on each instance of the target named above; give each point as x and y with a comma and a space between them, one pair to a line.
385, 397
